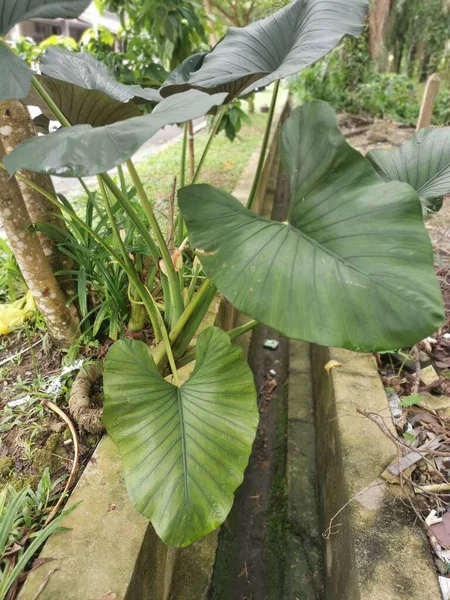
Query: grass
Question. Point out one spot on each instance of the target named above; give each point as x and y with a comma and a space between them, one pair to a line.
223, 167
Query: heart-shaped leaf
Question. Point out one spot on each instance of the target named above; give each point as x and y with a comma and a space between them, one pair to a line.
82, 150
280, 45
184, 449
353, 264
423, 162
81, 106
84, 71
15, 11
15, 76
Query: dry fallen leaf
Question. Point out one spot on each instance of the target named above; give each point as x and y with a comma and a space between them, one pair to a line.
331, 364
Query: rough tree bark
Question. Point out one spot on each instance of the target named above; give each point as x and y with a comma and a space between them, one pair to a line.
16, 126
212, 34
33, 263
378, 18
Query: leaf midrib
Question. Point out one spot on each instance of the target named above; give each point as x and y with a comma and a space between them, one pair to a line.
183, 443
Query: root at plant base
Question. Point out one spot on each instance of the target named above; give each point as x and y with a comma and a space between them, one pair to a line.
86, 416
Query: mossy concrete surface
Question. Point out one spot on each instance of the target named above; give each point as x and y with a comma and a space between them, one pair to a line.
303, 568
373, 549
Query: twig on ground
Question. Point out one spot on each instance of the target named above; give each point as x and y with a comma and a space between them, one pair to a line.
76, 457
415, 387
44, 583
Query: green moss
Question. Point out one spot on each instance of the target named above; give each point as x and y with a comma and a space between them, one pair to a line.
51, 455
6, 465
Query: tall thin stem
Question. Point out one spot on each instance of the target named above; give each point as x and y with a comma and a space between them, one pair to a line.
262, 155
176, 298
180, 220
128, 207
49, 102
237, 331
212, 135
183, 156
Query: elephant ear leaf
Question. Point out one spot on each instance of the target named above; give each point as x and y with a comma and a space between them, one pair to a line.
423, 162
280, 45
83, 70
15, 11
79, 105
352, 266
184, 449
15, 76
82, 150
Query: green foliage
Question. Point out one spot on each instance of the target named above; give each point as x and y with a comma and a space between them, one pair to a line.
284, 54
176, 27
81, 150
22, 525
233, 119
417, 36
15, 76
12, 285
423, 162
184, 448
348, 80
283, 274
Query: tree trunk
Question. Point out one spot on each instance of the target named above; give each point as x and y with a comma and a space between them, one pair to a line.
16, 126
212, 33
378, 19
191, 149
32, 261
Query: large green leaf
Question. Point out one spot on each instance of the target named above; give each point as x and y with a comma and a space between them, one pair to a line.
280, 45
14, 11
82, 150
81, 106
184, 449
15, 76
352, 266
423, 162
84, 71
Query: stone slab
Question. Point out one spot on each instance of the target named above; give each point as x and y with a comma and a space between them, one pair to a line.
303, 576
373, 549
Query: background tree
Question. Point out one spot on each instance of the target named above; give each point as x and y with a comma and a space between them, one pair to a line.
416, 36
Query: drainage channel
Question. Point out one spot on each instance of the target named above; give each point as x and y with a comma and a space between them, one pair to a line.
270, 545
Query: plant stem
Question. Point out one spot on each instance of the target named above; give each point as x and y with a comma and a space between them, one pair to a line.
262, 155
237, 331
183, 156
180, 220
153, 312
49, 102
209, 142
123, 184
190, 310
168, 347
128, 207
159, 353
176, 298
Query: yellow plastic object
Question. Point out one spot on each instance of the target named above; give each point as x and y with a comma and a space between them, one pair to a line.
15, 314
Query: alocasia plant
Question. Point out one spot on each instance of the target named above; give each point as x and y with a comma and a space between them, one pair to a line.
351, 266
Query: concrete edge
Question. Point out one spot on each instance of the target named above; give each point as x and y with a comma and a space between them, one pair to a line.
111, 551
372, 550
